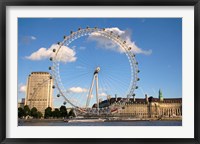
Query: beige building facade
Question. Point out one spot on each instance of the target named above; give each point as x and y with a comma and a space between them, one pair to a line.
140, 108
39, 91
148, 107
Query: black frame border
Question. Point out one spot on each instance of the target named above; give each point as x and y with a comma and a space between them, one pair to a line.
5, 3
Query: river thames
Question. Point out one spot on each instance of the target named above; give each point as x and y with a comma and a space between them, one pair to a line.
131, 123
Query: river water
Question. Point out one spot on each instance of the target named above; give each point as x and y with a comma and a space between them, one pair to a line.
131, 123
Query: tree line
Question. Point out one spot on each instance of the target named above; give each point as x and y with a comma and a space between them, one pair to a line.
59, 113
56, 113
26, 111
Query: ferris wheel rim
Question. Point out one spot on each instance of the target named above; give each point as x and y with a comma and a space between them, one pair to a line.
113, 37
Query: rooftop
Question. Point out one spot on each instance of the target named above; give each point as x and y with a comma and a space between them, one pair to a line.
40, 72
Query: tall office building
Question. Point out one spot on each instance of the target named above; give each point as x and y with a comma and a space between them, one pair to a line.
39, 91
21, 103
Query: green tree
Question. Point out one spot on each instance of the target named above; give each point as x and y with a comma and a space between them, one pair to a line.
34, 112
27, 110
56, 113
72, 113
53, 114
21, 112
63, 111
48, 112
39, 114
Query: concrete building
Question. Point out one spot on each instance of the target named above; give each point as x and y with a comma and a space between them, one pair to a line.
39, 91
21, 103
153, 108
147, 107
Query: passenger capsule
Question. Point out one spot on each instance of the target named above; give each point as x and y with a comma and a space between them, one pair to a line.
104, 29
64, 103
79, 29
124, 42
49, 68
64, 36
58, 43
129, 48
138, 79
87, 27
51, 58
136, 87
111, 32
138, 71
133, 95
71, 32
53, 86
136, 63
54, 50
118, 36
58, 95
50, 77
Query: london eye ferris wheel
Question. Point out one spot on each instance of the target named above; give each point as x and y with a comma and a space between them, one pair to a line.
87, 75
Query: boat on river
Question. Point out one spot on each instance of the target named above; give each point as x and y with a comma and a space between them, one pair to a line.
84, 120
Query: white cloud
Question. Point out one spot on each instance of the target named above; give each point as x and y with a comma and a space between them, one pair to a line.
108, 44
33, 37
77, 90
65, 54
102, 94
80, 67
22, 88
82, 48
91, 96
27, 39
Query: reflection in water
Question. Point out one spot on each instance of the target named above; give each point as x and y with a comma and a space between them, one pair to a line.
133, 123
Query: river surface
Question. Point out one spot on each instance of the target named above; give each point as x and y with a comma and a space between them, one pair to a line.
131, 123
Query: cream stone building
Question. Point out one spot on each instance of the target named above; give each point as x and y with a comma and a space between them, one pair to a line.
39, 91
153, 108
147, 107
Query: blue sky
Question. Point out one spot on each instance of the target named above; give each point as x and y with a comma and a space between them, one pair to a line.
158, 43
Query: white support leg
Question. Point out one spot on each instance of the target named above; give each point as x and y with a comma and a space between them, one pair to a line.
90, 92
95, 77
97, 88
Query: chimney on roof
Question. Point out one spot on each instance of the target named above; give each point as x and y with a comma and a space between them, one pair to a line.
160, 96
146, 98
115, 97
